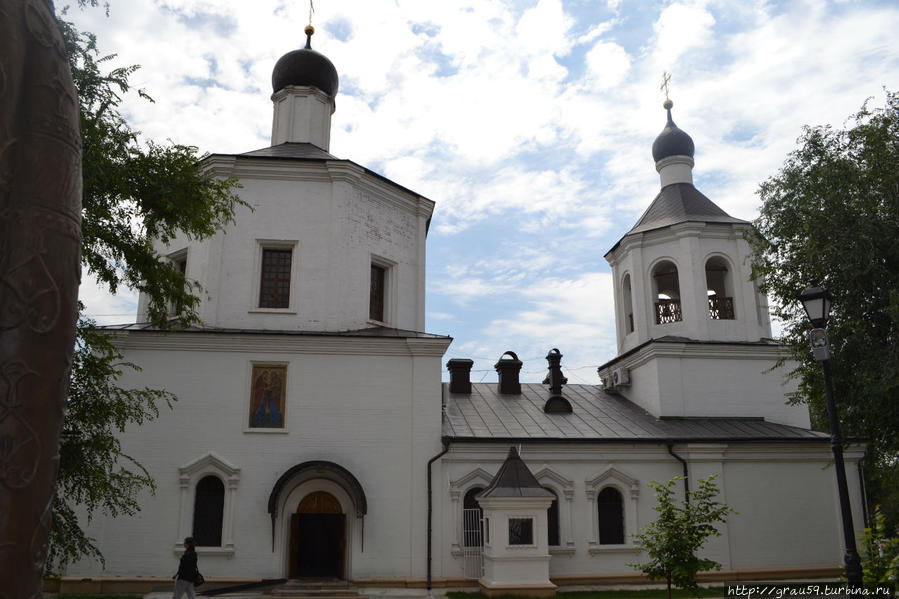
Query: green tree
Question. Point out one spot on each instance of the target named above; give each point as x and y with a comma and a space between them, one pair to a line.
672, 540
135, 191
831, 216
879, 550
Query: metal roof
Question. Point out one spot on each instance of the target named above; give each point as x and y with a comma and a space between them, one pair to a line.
307, 151
678, 203
514, 479
291, 150
597, 416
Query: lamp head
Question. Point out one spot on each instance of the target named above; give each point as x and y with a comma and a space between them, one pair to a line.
816, 301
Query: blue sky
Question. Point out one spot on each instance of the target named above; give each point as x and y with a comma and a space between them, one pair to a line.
528, 122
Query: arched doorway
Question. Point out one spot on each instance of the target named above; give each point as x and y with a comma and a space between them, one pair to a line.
317, 537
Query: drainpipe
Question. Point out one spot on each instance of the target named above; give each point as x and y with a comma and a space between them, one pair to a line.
446, 446
686, 472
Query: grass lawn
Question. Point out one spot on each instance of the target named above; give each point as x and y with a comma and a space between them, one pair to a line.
634, 594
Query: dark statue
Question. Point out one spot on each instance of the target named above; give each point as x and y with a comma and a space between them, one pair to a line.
40, 241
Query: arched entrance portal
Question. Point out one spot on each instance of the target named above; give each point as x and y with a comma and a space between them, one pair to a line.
317, 538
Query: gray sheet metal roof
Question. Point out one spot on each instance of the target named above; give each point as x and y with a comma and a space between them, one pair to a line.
678, 203
291, 150
597, 416
307, 151
514, 479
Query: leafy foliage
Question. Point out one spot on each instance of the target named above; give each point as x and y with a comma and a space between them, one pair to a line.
831, 216
134, 192
93, 471
672, 540
879, 551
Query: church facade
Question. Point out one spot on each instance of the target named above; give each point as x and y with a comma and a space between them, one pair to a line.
313, 437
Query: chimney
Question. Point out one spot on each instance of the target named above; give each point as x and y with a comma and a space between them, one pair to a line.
555, 379
460, 375
508, 369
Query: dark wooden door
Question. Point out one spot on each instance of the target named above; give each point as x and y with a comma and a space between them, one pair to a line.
294, 564
317, 538
320, 550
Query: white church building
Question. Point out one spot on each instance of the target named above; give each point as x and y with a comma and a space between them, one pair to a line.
313, 438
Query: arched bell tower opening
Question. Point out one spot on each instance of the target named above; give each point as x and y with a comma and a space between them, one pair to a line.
719, 289
666, 293
628, 304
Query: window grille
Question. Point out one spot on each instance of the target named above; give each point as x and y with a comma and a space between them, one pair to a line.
274, 291
376, 300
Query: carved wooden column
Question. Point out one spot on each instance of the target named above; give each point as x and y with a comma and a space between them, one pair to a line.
40, 240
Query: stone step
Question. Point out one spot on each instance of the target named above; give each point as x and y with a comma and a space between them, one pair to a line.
315, 589
308, 595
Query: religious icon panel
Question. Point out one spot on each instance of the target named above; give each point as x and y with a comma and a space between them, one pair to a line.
267, 396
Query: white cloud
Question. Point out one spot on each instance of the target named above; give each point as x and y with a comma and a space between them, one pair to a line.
608, 63
517, 119
680, 28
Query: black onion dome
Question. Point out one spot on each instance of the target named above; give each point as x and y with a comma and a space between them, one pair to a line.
305, 67
672, 141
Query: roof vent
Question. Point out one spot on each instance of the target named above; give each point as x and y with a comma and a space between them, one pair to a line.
556, 404
508, 369
460, 375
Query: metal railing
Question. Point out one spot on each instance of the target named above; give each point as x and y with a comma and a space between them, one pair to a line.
472, 543
721, 308
668, 311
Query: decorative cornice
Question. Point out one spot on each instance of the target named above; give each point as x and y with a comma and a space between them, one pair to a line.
262, 343
676, 159
661, 348
624, 481
477, 475
546, 474
207, 463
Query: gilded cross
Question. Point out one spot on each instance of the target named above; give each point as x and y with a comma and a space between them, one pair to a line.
311, 11
666, 78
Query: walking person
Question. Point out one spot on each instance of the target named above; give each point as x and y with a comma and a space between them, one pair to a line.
187, 571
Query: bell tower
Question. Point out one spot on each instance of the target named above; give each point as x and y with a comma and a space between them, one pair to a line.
693, 331
684, 268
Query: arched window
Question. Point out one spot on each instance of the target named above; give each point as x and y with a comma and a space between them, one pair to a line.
209, 505
628, 305
721, 301
667, 293
552, 520
472, 519
611, 517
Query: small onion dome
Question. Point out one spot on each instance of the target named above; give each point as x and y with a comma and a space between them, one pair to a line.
305, 67
672, 141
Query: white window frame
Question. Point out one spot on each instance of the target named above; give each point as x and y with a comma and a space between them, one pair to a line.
390, 284
189, 475
564, 489
256, 285
630, 492
534, 532
458, 489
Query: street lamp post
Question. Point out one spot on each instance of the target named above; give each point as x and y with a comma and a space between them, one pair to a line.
816, 302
